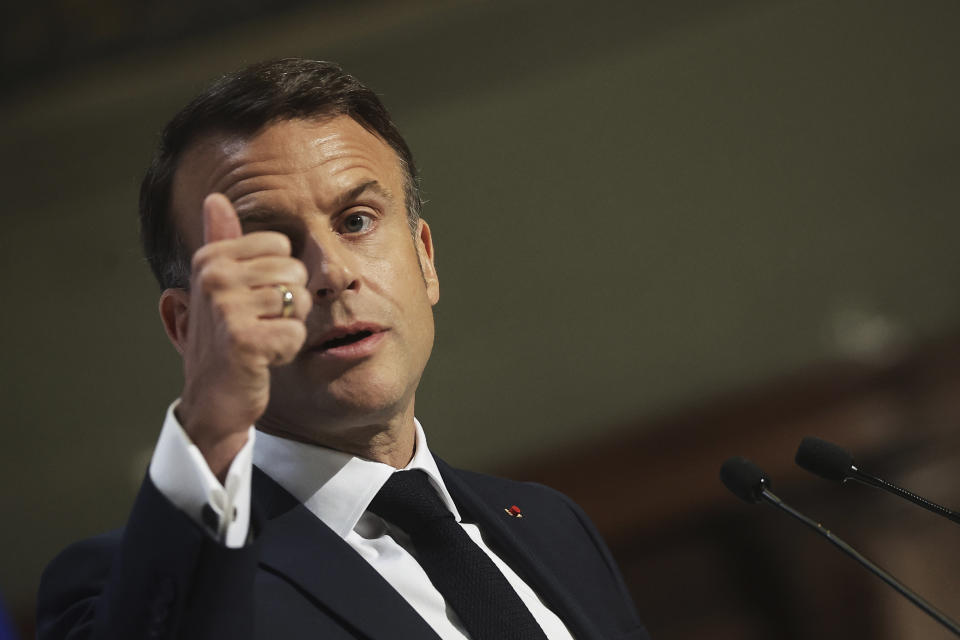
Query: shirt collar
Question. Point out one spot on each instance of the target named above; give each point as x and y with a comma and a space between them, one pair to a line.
338, 487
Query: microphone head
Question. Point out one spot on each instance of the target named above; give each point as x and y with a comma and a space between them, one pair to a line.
824, 459
744, 479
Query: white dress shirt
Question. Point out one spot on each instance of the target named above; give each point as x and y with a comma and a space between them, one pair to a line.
337, 488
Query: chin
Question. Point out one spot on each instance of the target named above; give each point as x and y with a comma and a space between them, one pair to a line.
345, 402
379, 401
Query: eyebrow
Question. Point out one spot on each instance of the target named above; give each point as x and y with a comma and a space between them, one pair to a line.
263, 214
269, 214
370, 185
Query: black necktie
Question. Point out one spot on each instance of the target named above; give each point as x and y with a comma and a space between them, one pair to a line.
487, 605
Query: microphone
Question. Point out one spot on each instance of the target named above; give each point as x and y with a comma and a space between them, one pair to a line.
745, 480
829, 461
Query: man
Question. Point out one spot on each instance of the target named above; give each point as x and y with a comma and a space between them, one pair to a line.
281, 217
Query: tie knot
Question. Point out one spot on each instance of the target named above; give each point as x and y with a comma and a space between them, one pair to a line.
409, 500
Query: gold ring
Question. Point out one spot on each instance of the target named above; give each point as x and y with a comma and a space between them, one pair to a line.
286, 299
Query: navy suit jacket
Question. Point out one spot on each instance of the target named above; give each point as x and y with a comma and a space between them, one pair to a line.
164, 577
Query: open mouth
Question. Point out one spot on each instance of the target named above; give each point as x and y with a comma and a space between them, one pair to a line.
350, 338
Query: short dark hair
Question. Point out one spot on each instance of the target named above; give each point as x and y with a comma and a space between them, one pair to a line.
241, 104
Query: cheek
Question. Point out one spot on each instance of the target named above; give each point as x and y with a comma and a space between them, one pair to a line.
397, 280
380, 275
402, 287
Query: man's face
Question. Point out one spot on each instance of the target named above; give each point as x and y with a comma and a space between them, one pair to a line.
337, 191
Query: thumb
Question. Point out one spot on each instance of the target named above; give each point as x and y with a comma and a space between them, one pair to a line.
220, 220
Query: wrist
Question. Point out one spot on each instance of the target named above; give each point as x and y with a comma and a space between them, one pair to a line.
218, 447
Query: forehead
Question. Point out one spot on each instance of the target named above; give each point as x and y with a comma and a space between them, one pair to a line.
302, 165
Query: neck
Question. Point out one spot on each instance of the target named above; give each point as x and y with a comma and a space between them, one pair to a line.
391, 442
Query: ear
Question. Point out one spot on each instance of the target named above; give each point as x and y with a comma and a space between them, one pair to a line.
424, 242
174, 312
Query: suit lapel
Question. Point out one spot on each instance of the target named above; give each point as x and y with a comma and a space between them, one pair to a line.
520, 556
296, 544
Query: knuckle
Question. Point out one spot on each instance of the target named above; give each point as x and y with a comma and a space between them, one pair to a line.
289, 341
300, 275
213, 275
200, 257
298, 334
303, 302
282, 243
271, 242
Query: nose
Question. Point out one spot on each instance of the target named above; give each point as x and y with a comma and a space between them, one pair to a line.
331, 267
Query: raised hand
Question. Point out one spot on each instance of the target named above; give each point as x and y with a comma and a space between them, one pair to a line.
236, 329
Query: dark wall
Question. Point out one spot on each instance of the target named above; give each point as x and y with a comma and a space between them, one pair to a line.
635, 205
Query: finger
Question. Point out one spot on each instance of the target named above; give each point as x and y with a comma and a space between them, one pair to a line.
220, 220
276, 341
264, 303
250, 246
270, 299
267, 270
279, 340
288, 341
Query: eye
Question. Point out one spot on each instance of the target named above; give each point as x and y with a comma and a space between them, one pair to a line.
356, 223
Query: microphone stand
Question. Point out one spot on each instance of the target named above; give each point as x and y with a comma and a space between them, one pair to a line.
925, 606
879, 483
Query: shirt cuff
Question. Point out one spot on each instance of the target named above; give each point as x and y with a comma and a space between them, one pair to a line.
180, 472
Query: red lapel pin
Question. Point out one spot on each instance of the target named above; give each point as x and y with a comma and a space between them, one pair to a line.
514, 511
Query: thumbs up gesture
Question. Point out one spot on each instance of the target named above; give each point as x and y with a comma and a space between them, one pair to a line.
234, 329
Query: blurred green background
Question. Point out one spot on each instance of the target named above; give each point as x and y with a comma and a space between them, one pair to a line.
635, 206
